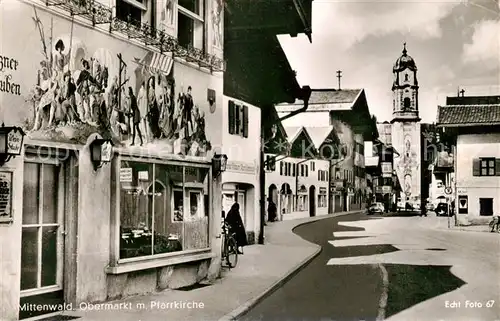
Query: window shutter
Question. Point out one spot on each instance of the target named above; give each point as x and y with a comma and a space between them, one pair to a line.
245, 121
307, 170
281, 168
497, 166
476, 171
232, 117
293, 169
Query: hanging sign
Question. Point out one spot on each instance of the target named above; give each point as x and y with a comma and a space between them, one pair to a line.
5, 196
126, 175
143, 175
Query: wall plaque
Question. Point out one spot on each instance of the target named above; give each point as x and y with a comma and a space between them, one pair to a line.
5, 197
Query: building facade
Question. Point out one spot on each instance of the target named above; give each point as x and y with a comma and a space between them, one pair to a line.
298, 184
130, 74
472, 126
241, 143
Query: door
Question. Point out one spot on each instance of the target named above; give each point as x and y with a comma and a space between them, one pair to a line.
42, 249
312, 201
241, 201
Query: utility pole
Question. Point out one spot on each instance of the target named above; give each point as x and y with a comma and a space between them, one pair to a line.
339, 75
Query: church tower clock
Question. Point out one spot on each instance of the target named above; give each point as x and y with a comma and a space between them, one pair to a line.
405, 134
405, 89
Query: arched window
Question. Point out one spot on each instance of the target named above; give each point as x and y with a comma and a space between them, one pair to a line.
406, 103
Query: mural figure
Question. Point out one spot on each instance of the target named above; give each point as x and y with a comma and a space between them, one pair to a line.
407, 186
142, 102
153, 113
167, 12
135, 115
217, 23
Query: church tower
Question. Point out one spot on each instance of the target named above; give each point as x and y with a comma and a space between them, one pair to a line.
405, 89
406, 137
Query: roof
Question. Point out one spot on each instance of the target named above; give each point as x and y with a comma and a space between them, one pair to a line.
468, 115
325, 100
319, 134
292, 133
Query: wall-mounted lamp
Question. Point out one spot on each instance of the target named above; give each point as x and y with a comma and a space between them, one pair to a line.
274, 130
219, 163
11, 143
211, 97
101, 152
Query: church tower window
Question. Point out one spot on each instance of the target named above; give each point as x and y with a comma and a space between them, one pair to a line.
407, 103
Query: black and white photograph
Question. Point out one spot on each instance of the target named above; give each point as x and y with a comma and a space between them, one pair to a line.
221, 160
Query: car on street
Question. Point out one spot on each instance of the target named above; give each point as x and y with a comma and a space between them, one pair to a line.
441, 209
376, 208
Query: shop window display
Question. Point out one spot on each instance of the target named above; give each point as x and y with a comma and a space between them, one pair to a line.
162, 208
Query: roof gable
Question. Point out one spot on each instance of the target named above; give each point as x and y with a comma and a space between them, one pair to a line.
320, 135
325, 100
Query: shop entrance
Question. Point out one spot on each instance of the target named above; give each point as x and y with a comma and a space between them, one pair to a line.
42, 247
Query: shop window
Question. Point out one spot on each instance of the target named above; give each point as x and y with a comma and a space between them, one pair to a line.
190, 22
131, 11
163, 209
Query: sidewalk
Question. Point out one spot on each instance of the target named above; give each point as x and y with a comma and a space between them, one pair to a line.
442, 223
260, 270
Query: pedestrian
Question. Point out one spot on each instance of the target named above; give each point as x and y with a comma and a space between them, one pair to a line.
272, 211
233, 219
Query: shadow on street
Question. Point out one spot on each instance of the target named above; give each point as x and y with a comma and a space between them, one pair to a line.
349, 292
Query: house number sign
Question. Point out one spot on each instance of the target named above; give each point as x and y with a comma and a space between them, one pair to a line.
5, 197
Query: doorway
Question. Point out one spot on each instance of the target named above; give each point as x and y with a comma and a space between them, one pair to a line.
312, 201
273, 193
42, 239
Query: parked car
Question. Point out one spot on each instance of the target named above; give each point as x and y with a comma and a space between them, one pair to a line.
376, 208
441, 209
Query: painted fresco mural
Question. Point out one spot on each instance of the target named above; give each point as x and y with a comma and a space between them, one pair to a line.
72, 87
408, 164
217, 16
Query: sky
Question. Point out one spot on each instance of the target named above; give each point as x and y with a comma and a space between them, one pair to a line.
455, 43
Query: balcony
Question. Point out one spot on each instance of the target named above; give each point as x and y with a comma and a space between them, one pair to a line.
99, 14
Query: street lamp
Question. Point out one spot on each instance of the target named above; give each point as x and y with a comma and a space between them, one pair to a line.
11, 143
219, 164
101, 152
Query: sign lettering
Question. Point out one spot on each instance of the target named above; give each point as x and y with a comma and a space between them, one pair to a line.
126, 175
6, 83
240, 167
5, 195
14, 142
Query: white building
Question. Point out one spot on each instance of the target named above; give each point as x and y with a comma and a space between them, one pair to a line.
473, 124
298, 185
241, 143
347, 112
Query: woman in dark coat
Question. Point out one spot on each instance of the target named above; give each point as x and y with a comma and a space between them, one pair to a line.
233, 219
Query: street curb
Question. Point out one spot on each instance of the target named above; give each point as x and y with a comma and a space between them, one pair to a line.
243, 309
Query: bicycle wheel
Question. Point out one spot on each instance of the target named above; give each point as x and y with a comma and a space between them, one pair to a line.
232, 252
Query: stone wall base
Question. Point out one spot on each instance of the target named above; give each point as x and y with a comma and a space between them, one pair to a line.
158, 279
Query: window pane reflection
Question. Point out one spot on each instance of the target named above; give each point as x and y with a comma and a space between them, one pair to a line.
160, 211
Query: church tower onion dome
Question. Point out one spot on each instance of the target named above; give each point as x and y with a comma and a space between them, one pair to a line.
404, 62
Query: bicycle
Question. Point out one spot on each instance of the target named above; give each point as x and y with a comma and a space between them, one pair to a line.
229, 255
